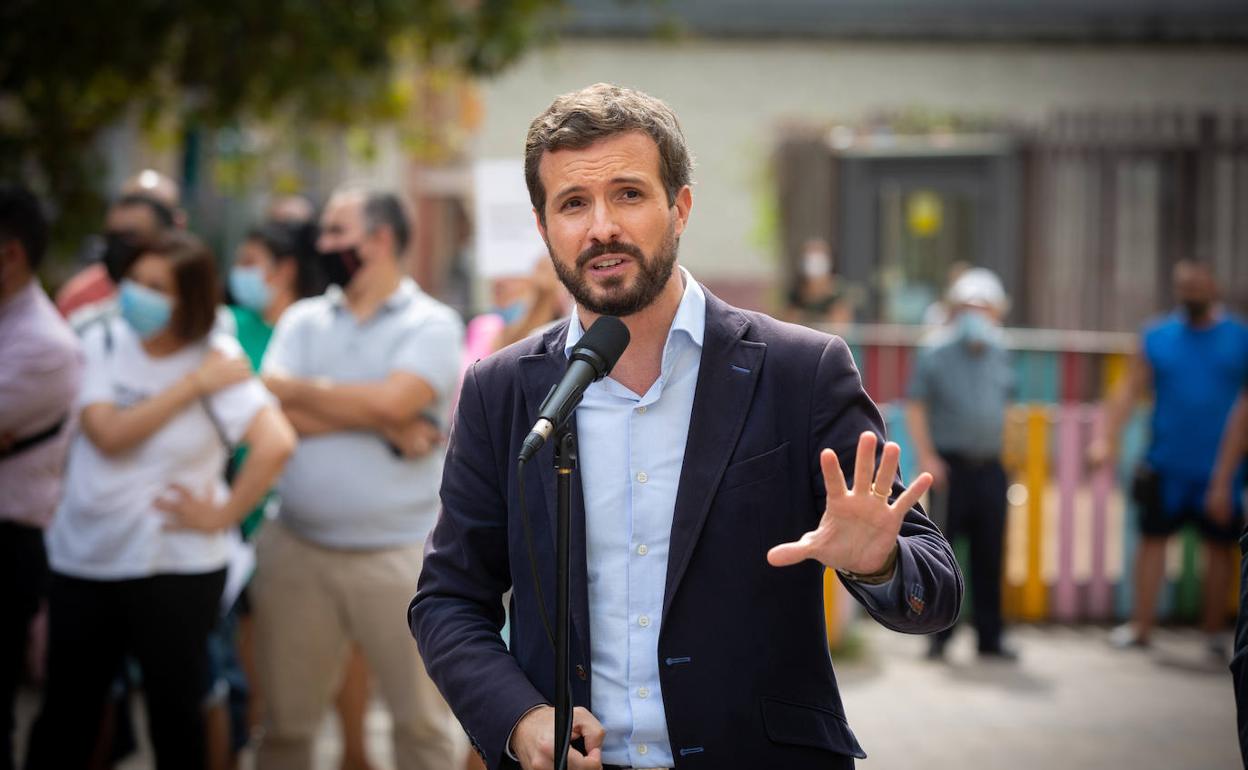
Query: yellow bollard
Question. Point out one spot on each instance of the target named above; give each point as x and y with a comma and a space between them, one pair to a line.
832, 608
1035, 596
1014, 451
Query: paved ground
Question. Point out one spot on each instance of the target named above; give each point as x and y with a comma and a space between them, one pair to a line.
1071, 703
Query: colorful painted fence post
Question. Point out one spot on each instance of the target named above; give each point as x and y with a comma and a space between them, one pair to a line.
1100, 591
1069, 462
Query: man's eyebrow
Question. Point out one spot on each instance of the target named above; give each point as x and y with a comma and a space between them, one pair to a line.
565, 192
637, 180
617, 180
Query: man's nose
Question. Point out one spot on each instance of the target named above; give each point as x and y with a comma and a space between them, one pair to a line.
603, 226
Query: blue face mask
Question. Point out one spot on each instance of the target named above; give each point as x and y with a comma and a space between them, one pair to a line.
146, 310
248, 288
514, 312
974, 328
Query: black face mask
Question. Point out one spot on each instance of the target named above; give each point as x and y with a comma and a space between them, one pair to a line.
120, 251
341, 266
1196, 311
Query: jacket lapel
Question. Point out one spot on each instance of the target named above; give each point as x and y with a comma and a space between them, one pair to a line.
538, 373
727, 377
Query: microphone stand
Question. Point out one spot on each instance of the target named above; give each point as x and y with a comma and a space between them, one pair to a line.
565, 463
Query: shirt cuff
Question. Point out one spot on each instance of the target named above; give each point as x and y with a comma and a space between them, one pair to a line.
881, 596
507, 748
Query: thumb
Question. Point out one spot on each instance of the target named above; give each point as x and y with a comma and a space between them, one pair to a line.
788, 554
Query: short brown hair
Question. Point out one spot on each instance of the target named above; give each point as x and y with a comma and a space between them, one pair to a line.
578, 119
195, 282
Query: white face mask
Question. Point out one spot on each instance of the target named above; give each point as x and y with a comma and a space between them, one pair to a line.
816, 264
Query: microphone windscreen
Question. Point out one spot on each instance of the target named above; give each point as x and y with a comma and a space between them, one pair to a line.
607, 338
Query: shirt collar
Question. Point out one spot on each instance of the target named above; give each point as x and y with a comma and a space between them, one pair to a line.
690, 318
405, 293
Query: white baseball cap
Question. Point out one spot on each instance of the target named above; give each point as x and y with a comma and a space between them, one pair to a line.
979, 286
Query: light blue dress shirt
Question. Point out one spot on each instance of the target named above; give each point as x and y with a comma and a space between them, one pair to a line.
631, 450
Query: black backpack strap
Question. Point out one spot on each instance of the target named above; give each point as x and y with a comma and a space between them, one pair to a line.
216, 425
29, 442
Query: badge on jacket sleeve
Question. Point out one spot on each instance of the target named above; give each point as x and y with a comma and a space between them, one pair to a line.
915, 599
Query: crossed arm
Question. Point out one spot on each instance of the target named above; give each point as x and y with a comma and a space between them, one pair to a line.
392, 407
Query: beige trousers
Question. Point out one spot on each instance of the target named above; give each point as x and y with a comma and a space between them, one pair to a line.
310, 602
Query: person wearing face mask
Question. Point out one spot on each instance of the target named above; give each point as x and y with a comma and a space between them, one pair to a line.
372, 358
1193, 362
958, 395
273, 268
818, 296
523, 305
146, 206
139, 544
39, 376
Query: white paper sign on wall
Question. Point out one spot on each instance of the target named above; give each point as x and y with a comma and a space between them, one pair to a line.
507, 241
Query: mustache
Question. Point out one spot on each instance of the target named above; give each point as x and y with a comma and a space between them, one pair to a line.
614, 247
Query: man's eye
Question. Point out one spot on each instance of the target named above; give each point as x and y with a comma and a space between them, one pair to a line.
632, 194
571, 203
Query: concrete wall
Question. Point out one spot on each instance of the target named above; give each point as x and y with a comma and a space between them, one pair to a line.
730, 95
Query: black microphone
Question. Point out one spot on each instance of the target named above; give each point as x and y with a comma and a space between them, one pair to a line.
592, 359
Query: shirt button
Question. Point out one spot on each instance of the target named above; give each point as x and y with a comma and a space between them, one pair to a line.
641, 410
644, 692
642, 748
642, 550
643, 477
644, 621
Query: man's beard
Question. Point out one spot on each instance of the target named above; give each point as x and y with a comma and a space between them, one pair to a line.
654, 273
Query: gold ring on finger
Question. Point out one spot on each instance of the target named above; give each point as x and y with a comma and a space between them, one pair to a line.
878, 493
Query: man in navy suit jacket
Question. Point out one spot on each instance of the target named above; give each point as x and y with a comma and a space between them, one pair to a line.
777, 420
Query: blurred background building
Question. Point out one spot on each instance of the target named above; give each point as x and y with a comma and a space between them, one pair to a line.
1077, 148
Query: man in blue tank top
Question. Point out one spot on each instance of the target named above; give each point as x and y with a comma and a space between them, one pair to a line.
1194, 362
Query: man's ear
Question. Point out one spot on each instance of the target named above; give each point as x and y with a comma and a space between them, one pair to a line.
379, 241
683, 204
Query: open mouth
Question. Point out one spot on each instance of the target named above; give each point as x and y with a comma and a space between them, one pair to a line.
607, 263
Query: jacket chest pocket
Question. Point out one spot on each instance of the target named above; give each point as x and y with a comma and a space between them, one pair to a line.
757, 491
755, 470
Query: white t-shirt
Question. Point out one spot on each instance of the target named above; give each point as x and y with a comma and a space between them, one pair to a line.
106, 527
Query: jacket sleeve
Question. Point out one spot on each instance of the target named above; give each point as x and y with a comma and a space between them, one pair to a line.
457, 615
927, 587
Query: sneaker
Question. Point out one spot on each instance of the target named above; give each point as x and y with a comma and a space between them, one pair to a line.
1124, 637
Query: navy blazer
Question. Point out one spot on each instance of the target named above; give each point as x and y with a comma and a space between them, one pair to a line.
746, 677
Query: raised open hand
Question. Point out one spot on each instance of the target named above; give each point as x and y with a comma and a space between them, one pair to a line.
859, 528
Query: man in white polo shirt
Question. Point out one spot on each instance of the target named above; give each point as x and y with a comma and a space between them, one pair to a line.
360, 371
